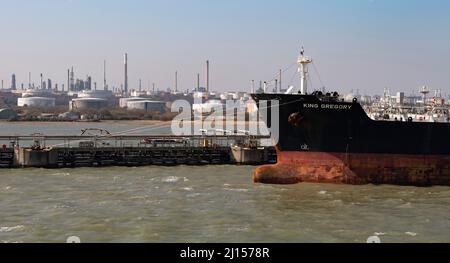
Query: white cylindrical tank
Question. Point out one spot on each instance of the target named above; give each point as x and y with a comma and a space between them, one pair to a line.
99, 94
88, 103
39, 102
36, 93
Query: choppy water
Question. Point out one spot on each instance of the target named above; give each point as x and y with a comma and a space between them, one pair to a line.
209, 204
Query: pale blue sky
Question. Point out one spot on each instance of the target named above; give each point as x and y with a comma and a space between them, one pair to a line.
356, 44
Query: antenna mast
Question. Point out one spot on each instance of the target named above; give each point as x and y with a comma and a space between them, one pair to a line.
303, 62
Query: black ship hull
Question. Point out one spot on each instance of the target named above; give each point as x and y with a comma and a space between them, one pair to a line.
322, 139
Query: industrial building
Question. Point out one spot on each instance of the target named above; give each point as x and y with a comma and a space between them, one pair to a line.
123, 102
88, 104
7, 114
147, 105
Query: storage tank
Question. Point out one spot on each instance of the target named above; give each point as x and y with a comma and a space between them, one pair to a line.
7, 114
39, 102
88, 104
99, 94
124, 101
147, 105
36, 93
207, 106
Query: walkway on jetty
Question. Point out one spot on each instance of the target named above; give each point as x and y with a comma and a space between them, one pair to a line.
88, 150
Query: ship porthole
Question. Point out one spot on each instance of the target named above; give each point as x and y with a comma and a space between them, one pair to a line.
355, 100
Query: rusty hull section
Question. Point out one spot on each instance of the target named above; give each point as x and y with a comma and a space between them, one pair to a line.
356, 169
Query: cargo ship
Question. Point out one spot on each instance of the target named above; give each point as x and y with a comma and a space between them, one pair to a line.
323, 139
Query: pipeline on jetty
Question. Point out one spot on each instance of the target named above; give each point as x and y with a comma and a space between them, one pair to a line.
89, 150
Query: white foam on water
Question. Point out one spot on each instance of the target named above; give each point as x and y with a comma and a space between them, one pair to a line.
189, 189
411, 234
171, 179
323, 193
6, 229
379, 234
61, 174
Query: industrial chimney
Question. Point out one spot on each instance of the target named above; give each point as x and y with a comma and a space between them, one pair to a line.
176, 81
207, 76
126, 73
105, 87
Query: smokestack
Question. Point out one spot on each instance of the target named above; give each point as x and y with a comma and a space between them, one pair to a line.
253, 87
29, 80
207, 76
68, 80
281, 87
42, 82
126, 73
176, 81
72, 80
13, 82
104, 75
140, 85
198, 81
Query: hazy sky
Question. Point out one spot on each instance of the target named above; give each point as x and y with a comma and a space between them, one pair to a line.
356, 44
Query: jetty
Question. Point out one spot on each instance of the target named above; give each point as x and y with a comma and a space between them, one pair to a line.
87, 150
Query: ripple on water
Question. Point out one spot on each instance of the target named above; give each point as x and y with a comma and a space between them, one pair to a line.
405, 206
241, 190
193, 195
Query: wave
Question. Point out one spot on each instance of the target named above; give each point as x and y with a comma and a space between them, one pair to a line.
6, 229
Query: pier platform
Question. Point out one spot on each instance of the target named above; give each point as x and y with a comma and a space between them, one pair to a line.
41, 151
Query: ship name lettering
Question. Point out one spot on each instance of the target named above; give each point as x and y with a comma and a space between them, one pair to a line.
311, 106
336, 107
327, 106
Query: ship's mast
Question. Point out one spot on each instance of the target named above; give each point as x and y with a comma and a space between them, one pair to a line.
303, 62
424, 91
